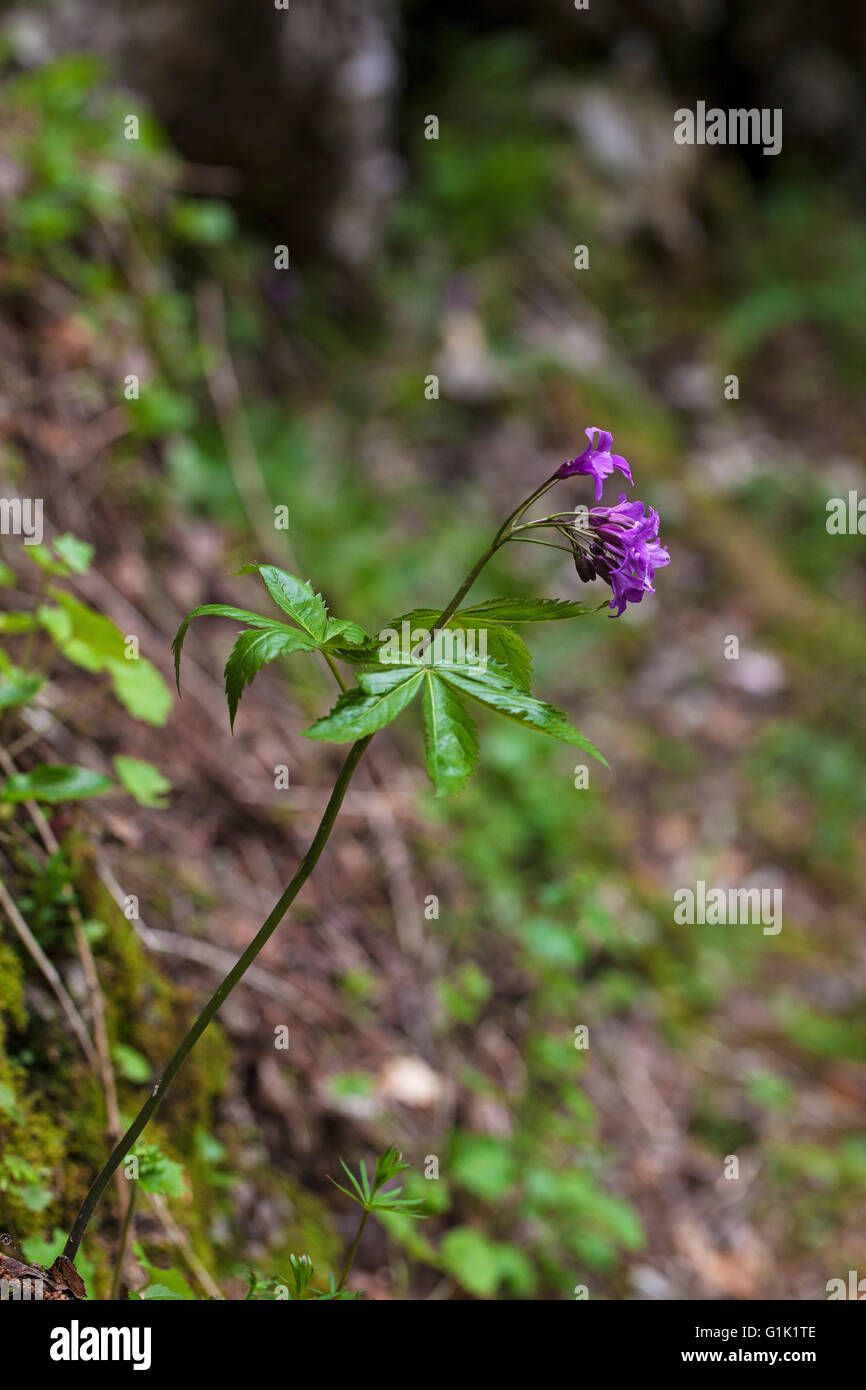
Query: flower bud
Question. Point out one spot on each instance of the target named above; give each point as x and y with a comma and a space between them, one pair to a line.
584, 566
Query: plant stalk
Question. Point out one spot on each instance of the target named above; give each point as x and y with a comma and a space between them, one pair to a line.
124, 1237
305, 868
502, 535
350, 1258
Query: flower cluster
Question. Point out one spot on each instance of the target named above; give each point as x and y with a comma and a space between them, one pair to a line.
617, 544
620, 545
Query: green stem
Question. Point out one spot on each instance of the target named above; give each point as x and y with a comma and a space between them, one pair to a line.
336, 671
124, 1236
502, 535
470, 579
350, 1258
528, 540
305, 868
533, 497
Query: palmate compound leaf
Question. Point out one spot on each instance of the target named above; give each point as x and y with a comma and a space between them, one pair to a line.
316, 631
451, 740
450, 736
467, 637
253, 650
497, 677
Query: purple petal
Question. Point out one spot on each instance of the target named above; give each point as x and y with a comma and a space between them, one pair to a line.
623, 466
605, 439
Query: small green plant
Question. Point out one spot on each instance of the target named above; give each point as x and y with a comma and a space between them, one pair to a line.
371, 1198
76, 632
297, 1286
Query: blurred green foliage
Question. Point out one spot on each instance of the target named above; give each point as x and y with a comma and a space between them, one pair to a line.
556, 893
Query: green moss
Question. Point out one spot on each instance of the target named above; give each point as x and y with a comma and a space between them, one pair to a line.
32, 1146
52, 1108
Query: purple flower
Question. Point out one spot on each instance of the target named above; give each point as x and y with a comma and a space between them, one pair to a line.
620, 544
596, 461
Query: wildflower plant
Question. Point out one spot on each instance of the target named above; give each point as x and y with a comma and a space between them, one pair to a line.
618, 544
372, 1200
370, 1196
297, 1287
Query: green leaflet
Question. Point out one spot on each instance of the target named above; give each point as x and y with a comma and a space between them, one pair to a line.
71, 556
253, 649
492, 689
18, 687
482, 1265
450, 736
91, 641
347, 631
53, 782
295, 597
75, 554
142, 780
372, 704
220, 610
509, 649
385, 679
527, 610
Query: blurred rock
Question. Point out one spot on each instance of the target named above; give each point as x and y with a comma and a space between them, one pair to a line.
758, 673
409, 1081
298, 101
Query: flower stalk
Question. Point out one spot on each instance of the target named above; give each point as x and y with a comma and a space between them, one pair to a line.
350, 1258
218, 998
